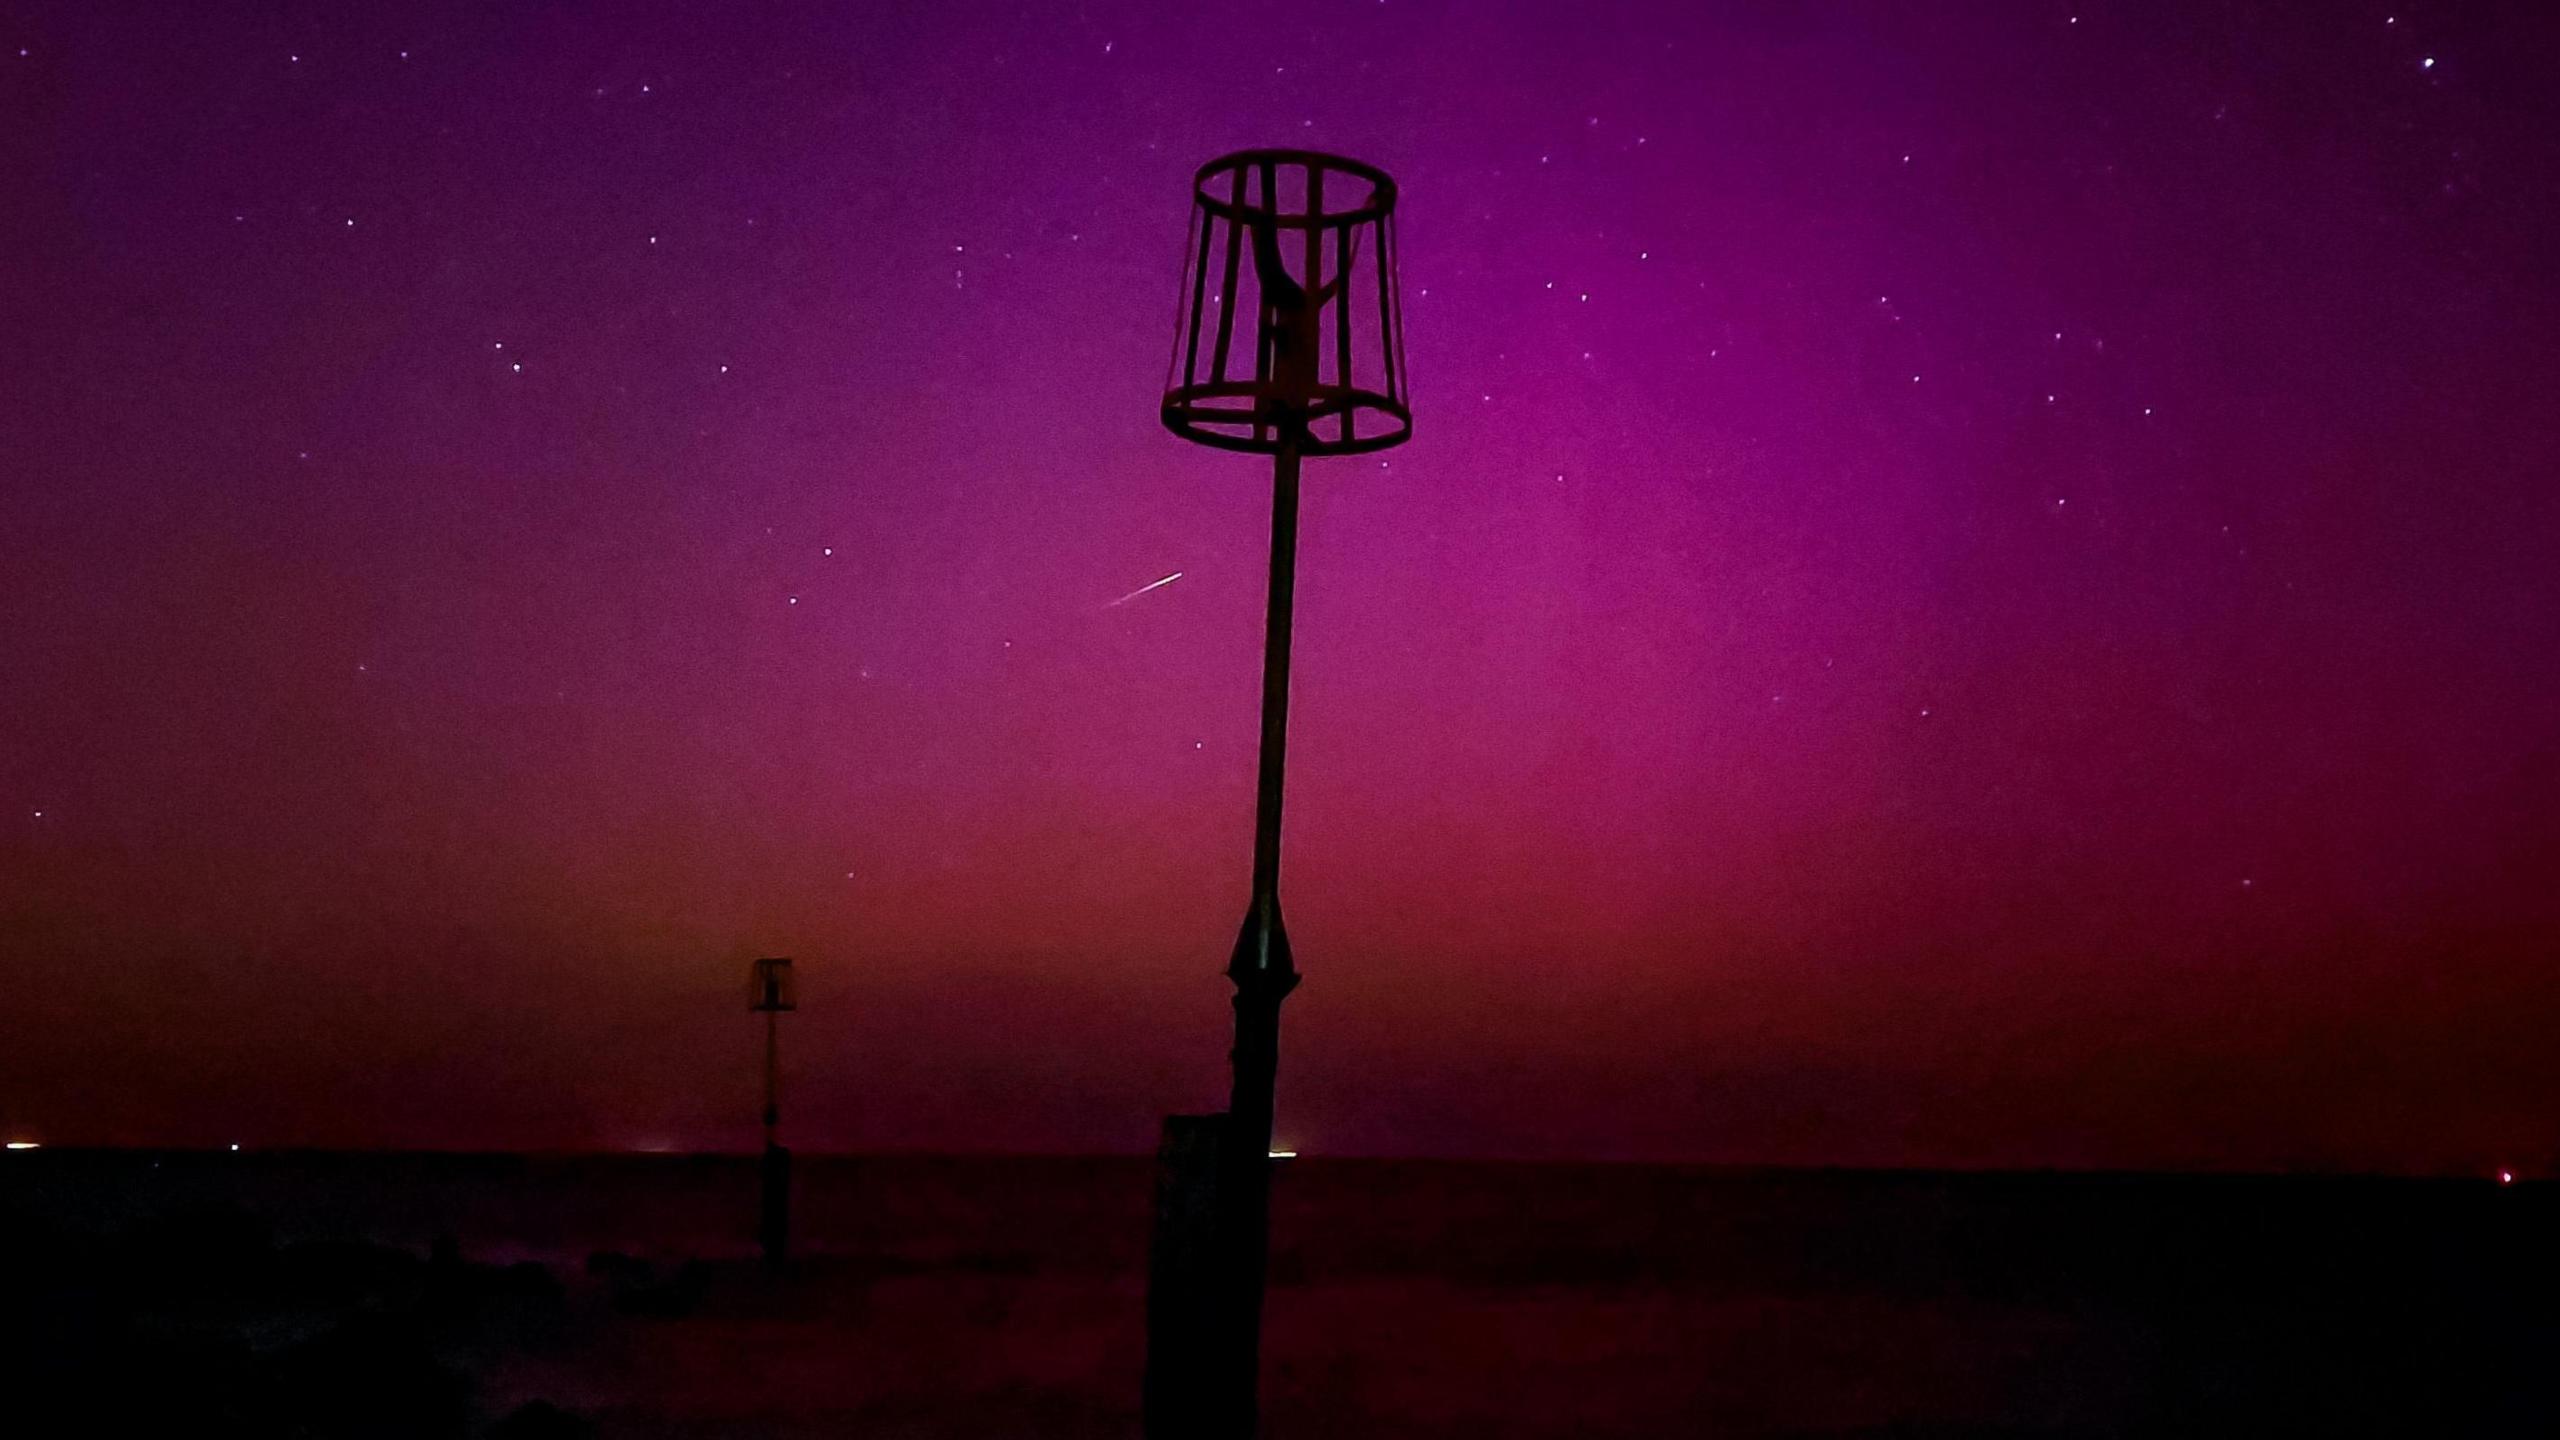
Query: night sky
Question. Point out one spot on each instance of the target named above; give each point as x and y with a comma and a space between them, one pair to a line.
1974, 585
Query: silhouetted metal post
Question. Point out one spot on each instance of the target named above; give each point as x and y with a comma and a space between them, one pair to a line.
771, 992
1254, 201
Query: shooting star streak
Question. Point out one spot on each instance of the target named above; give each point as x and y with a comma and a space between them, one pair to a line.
1143, 589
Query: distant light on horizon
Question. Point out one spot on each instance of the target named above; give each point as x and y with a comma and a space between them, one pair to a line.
235, 1146
2505, 1177
24, 1145
1284, 1154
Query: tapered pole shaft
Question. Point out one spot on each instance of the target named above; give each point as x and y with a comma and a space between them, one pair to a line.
1280, 600
1264, 974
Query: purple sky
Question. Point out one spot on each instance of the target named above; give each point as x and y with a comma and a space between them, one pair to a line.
1974, 584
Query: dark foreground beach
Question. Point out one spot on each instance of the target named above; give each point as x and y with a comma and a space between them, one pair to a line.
617, 1296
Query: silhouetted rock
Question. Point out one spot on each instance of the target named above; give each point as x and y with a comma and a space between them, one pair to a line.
348, 1272
619, 1269
529, 1281
541, 1420
373, 1376
677, 1296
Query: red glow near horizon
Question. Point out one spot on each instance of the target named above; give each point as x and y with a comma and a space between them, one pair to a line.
1968, 590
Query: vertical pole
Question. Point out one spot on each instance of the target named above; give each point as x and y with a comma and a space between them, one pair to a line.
775, 1227
1264, 974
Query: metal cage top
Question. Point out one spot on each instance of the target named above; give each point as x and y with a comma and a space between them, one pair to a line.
1290, 328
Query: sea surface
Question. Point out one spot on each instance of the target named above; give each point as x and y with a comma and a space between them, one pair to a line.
942, 1296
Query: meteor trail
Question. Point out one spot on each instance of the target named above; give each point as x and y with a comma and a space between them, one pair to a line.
1143, 589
